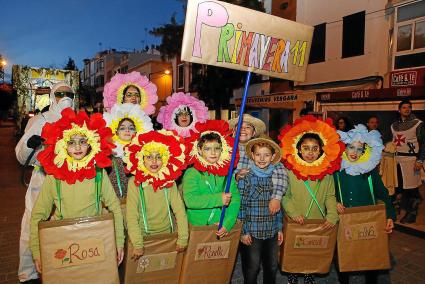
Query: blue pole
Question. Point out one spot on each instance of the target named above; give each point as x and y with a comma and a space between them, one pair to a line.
235, 146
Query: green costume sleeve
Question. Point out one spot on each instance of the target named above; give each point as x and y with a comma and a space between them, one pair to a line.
41, 212
232, 210
288, 203
194, 197
179, 211
335, 178
133, 213
330, 201
381, 193
110, 199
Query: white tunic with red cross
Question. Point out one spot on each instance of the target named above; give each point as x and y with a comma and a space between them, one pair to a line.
407, 147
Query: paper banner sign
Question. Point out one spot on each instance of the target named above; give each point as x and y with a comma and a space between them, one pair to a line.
230, 36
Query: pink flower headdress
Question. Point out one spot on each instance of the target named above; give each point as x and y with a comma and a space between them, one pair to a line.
177, 103
114, 91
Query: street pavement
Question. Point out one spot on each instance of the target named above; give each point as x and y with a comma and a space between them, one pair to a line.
408, 251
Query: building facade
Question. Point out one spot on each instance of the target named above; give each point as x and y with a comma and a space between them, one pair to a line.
99, 70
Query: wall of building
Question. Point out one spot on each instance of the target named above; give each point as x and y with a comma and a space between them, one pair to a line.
374, 62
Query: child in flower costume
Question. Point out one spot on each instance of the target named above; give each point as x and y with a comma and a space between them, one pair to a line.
76, 153
358, 182
130, 88
156, 159
181, 113
311, 150
126, 121
209, 149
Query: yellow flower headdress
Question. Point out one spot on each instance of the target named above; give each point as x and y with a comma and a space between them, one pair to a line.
171, 149
55, 158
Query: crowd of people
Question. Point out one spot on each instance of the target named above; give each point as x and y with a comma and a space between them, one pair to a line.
147, 178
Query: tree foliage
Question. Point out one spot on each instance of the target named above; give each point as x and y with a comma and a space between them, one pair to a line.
70, 65
172, 36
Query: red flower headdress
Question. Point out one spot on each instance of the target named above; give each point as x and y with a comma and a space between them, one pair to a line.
221, 128
171, 149
55, 158
327, 163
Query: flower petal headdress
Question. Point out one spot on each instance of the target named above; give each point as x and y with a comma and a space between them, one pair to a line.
177, 102
141, 121
221, 128
372, 152
327, 163
171, 149
55, 158
113, 92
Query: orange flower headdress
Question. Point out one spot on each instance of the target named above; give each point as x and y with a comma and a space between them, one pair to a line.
327, 163
171, 149
55, 158
221, 128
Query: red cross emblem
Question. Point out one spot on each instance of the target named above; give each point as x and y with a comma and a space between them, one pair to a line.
399, 140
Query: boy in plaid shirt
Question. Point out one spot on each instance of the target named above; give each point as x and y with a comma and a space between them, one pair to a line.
262, 230
253, 127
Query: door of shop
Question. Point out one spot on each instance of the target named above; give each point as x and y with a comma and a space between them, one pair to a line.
278, 118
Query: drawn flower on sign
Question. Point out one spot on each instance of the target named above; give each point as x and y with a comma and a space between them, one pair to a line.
60, 253
144, 262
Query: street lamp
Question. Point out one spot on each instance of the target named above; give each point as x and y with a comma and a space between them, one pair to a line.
164, 72
3, 63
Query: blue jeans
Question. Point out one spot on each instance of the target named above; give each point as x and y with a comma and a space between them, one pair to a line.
260, 252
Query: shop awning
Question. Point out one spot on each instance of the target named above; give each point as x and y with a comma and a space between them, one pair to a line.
387, 94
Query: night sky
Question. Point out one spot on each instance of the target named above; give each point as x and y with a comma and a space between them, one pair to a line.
44, 33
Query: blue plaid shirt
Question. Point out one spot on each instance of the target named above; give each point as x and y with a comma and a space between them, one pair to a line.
254, 212
279, 176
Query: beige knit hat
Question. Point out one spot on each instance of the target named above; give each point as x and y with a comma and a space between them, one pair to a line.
259, 125
264, 139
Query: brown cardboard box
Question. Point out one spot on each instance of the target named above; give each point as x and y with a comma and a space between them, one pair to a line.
208, 259
362, 240
160, 262
80, 250
307, 248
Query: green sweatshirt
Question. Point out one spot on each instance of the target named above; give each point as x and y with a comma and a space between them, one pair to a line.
202, 193
297, 198
157, 217
78, 200
355, 191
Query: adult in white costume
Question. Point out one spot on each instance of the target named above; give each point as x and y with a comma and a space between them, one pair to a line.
61, 97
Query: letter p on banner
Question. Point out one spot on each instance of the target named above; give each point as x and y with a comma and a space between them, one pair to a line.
212, 35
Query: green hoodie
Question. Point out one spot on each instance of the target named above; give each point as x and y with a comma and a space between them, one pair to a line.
157, 217
297, 198
202, 193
